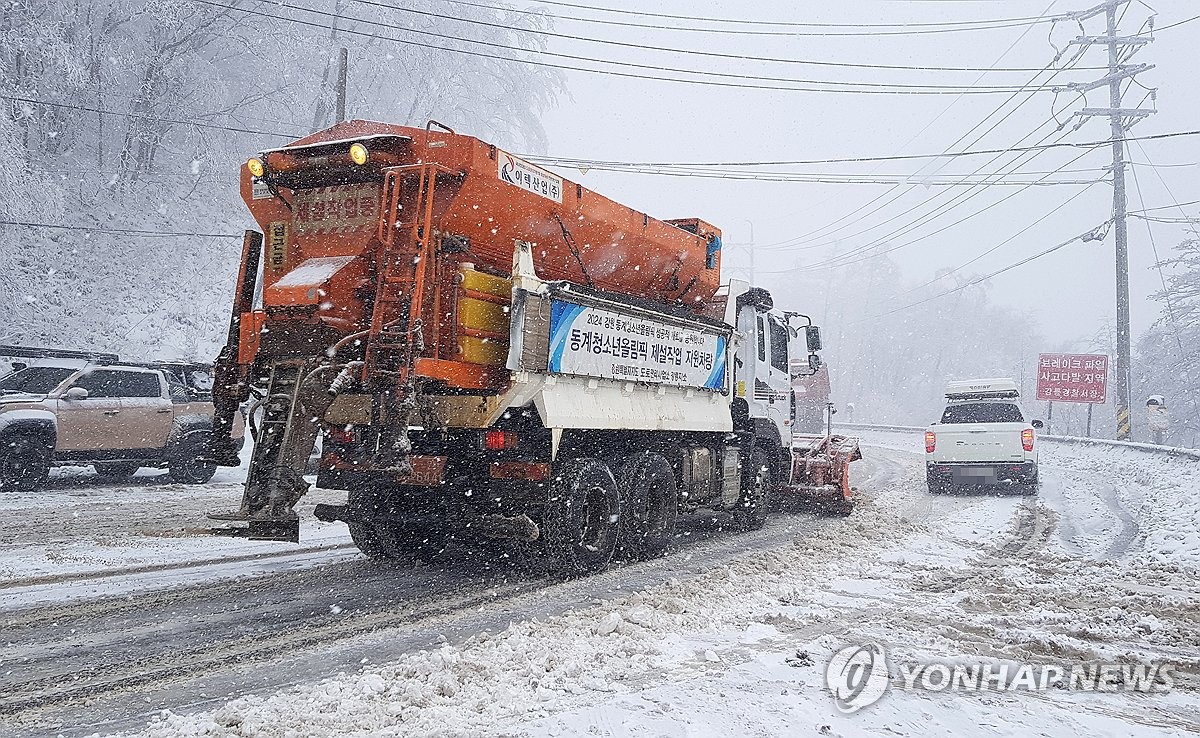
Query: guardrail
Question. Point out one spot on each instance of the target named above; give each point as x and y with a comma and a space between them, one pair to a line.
1191, 453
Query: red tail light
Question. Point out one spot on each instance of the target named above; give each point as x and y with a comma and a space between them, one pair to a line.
495, 440
930, 441
1027, 439
343, 435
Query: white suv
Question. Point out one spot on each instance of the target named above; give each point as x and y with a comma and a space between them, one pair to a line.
982, 439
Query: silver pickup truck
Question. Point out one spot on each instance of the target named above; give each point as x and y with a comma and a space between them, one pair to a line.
982, 439
116, 417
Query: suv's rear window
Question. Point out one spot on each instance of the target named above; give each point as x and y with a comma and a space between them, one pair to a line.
983, 412
37, 380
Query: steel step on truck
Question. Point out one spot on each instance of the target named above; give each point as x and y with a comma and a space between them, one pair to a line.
489, 351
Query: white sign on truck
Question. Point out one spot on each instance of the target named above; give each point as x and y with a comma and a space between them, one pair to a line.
600, 343
517, 171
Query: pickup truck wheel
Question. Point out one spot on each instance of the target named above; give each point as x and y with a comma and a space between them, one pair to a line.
116, 471
581, 517
389, 541
649, 506
755, 502
24, 462
188, 465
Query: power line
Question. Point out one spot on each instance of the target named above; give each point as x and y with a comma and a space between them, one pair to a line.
998, 246
117, 231
865, 254
1162, 278
575, 163
863, 88
1180, 23
155, 118
612, 165
1086, 235
743, 21
826, 178
834, 227
725, 31
1167, 207
641, 47
829, 230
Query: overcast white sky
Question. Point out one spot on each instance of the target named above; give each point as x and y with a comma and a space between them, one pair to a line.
1070, 293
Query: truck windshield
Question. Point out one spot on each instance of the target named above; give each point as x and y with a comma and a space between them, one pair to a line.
983, 412
36, 380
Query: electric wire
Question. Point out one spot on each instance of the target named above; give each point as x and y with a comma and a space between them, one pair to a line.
864, 88
894, 193
117, 231
868, 252
577, 162
979, 280
745, 21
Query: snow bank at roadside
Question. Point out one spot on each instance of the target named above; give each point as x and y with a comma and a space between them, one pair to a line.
742, 649
1160, 490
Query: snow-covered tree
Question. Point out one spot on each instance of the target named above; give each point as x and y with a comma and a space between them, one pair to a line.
134, 114
1169, 353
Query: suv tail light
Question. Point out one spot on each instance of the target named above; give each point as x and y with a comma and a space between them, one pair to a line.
495, 440
930, 441
1027, 439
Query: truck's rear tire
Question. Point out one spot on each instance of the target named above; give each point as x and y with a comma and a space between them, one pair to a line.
581, 517
116, 471
389, 540
188, 463
24, 462
755, 502
649, 506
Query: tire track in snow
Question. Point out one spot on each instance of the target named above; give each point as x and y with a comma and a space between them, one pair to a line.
184, 645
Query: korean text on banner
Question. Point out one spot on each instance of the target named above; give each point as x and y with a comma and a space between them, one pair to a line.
592, 342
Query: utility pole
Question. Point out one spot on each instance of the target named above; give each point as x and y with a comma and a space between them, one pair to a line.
1120, 121
321, 112
731, 248
343, 62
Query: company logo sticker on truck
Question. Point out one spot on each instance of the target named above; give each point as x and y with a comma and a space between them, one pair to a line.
599, 343
521, 173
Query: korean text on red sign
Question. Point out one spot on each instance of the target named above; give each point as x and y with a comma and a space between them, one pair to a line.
1072, 377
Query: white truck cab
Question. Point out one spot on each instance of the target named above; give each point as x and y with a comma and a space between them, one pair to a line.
983, 438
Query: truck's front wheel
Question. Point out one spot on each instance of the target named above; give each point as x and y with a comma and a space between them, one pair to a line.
581, 517
755, 502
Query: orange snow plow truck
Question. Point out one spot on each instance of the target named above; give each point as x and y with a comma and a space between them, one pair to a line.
490, 351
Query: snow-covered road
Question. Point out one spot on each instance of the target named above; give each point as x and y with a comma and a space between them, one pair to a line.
729, 634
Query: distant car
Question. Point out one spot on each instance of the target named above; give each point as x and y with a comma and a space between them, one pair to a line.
115, 417
982, 439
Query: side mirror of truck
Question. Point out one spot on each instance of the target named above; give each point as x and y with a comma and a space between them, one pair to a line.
812, 335
814, 363
1037, 424
77, 393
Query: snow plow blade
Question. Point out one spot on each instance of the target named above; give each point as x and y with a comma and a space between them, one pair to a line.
287, 530
821, 473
